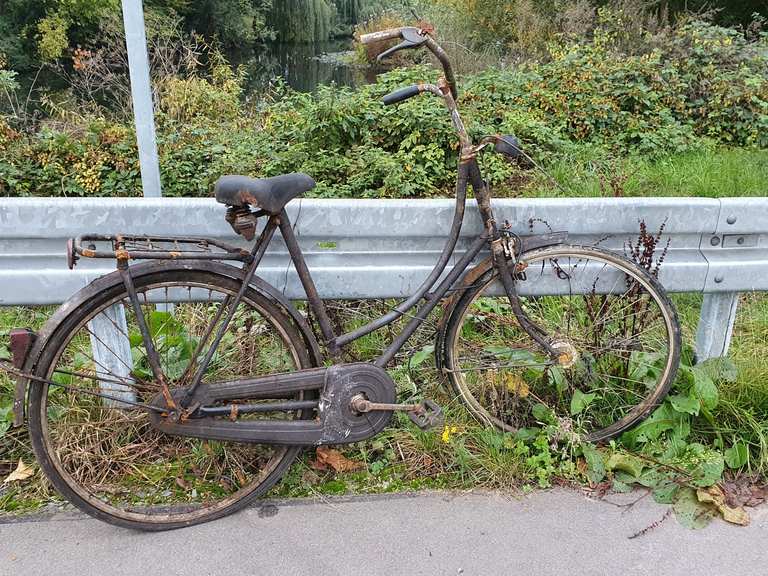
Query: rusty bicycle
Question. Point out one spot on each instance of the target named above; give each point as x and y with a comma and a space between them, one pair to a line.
213, 382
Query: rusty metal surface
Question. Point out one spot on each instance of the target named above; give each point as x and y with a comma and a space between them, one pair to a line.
21, 343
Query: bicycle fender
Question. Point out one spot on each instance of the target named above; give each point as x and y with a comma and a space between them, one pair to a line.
107, 281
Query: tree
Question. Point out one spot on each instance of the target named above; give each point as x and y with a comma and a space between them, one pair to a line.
233, 22
302, 20
42, 29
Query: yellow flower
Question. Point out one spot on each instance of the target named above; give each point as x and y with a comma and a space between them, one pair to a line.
447, 432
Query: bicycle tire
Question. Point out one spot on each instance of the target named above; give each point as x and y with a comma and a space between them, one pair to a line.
452, 337
168, 516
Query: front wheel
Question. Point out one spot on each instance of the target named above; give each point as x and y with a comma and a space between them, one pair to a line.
614, 328
104, 455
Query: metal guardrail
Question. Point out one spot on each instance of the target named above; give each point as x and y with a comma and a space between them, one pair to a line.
718, 247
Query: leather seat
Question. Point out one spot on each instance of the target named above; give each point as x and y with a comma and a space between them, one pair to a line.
268, 194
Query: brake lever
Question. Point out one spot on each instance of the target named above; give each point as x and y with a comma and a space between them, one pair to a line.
412, 38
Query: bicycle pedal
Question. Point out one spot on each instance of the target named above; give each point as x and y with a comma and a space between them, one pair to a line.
430, 415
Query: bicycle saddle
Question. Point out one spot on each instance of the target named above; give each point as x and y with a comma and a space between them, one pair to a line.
269, 194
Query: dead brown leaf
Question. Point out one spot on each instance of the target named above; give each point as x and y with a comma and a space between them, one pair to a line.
715, 495
331, 458
310, 477
745, 490
22, 472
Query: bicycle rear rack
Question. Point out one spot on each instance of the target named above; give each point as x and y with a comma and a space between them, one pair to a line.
130, 247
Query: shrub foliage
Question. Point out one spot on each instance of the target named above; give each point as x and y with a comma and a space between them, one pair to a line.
699, 84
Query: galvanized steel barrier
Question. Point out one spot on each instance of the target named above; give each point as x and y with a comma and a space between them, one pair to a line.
385, 248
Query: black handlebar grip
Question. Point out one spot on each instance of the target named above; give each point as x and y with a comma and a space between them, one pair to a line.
402, 94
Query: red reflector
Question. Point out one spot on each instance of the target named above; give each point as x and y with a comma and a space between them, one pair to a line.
21, 343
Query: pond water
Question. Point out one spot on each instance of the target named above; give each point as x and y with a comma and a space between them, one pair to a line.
303, 66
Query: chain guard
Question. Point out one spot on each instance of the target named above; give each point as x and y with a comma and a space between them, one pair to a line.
336, 422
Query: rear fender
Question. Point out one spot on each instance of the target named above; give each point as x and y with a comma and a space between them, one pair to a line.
22, 340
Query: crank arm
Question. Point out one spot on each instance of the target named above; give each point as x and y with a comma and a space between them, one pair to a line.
425, 415
362, 405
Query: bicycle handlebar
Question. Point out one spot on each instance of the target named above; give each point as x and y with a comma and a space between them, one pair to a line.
381, 35
412, 38
401, 94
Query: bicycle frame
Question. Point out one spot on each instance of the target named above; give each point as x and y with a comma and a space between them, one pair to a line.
504, 248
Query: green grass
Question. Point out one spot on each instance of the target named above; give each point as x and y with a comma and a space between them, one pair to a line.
405, 458
469, 455
711, 173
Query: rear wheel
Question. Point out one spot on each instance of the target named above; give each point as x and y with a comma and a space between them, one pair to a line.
613, 326
104, 455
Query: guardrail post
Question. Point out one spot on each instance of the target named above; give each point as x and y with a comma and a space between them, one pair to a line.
112, 353
109, 331
713, 335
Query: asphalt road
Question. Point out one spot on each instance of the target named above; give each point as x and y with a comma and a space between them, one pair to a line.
555, 532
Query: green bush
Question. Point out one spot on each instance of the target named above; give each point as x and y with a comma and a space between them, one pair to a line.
704, 84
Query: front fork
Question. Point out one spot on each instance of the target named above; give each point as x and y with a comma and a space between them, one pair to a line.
505, 260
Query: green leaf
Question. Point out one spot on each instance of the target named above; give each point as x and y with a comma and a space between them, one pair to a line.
527, 434
737, 455
580, 401
421, 356
519, 357
542, 413
595, 463
689, 511
705, 389
621, 487
625, 463
163, 324
721, 369
556, 377
662, 419
685, 404
710, 469
644, 364
666, 493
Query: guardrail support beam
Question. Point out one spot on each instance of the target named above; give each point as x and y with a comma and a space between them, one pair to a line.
112, 353
713, 334
141, 94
